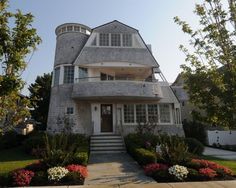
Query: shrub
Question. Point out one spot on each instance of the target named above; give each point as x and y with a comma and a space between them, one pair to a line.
73, 178
179, 172
40, 178
22, 177
193, 175
36, 166
34, 142
144, 156
10, 139
150, 169
82, 170
194, 146
195, 130
56, 173
173, 150
80, 158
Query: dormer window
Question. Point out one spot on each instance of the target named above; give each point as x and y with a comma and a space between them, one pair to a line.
127, 39
104, 39
115, 40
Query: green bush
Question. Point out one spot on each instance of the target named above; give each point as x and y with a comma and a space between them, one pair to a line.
143, 156
173, 150
80, 158
195, 130
73, 178
5, 180
34, 141
40, 179
194, 146
11, 139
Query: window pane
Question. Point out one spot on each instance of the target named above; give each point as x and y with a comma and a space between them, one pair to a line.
152, 113
104, 39
70, 110
165, 113
127, 40
141, 113
83, 74
68, 74
56, 76
129, 113
115, 39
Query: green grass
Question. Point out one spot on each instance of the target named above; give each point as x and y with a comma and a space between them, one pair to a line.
14, 158
228, 163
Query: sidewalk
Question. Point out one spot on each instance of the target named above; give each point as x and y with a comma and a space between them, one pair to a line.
219, 153
115, 169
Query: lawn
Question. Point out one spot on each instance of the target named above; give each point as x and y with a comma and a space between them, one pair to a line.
228, 163
14, 158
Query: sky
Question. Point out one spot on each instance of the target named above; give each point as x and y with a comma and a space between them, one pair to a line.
153, 19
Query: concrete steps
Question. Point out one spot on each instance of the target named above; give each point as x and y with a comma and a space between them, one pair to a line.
106, 144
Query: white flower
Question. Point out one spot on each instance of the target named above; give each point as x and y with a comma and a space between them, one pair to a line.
180, 172
57, 173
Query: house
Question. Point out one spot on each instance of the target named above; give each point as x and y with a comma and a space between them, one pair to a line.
104, 81
182, 95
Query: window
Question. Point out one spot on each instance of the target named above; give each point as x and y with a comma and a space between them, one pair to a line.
165, 113
115, 39
69, 110
83, 73
104, 39
152, 113
127, 40
68, 74
129, 113
83, 30
141, 113
63, 29
69, 28
76, 28
56, 76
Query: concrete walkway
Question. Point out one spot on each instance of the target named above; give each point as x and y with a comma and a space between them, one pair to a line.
115, 169
219, 153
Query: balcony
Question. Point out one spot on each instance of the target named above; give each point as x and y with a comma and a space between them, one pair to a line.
94, 89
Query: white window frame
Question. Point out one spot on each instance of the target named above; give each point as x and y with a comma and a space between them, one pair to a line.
146, 107
73, 80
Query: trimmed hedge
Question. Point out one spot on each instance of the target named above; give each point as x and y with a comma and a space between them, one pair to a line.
144, 157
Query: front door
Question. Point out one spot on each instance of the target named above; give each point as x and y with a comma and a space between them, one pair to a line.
106, 118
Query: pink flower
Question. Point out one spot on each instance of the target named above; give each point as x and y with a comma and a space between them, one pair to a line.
78, 168
151, 168
208, 172
22, 177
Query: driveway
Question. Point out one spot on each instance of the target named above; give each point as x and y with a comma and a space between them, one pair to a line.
219, 153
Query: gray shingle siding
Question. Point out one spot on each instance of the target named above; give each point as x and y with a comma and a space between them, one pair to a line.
105, 54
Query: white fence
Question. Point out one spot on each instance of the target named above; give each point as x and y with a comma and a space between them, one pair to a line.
221, 137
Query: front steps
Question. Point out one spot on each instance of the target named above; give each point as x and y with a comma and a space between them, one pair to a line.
109, 143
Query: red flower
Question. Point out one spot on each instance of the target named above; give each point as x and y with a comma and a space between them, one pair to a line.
78, 168
208, 172
153, 167
22, 177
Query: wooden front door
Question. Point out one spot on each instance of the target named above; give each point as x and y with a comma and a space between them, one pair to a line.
106, 118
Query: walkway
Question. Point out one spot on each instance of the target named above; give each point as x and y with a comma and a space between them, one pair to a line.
115, 169
219, 153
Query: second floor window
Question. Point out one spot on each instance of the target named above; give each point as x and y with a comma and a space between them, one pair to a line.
104, 39
68, 74
115, 40
83, 73
127, 40
56, 76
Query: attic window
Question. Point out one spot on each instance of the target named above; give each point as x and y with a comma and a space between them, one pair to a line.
83, 30
104, 39
69, 28
76, 28
127, 40
115, 40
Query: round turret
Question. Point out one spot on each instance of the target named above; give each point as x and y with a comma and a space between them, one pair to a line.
71, 37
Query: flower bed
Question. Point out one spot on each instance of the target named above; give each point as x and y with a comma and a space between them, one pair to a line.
173, 162
63, 162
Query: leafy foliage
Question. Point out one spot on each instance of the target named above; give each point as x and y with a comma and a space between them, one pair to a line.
194, 146
16, 42
39, 98
210, 78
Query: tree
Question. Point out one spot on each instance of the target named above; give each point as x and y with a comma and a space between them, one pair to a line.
16, 42
210, 78
40, 97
